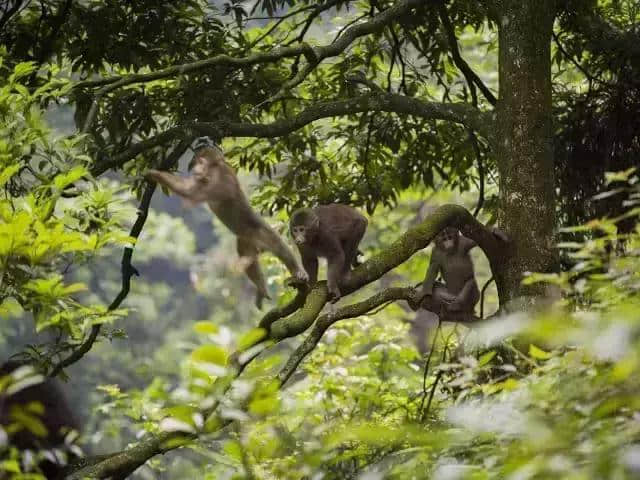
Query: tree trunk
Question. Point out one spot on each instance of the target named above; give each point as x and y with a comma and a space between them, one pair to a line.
523, 143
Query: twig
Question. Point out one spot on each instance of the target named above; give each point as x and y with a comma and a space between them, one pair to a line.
478, 153
427, 364
471, 76
127, 269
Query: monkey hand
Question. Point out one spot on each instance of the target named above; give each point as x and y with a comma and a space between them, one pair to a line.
152, 175
299, 280
301, 276
334, 294
500, 234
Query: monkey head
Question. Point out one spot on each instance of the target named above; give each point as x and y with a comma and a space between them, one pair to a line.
304, 226
204, 159
448, 238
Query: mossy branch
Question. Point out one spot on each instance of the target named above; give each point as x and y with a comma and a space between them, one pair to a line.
395, 254
121, 464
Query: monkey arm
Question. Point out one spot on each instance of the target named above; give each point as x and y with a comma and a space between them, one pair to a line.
467, 298
432, 273
185, 187
310, 264
466, 244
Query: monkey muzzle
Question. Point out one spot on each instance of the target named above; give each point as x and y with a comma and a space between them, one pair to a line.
299, 238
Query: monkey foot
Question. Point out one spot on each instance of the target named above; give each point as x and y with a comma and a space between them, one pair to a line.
296, 282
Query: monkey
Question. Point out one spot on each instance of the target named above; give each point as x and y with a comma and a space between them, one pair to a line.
45, 403
213, 181
459, 293
330, 231
452, 260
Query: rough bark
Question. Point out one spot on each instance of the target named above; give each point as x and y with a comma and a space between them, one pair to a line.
524, 146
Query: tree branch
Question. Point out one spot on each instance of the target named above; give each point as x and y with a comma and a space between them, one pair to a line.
378, 101
121, 464
395, 254
314, 56
471, 76
128, 270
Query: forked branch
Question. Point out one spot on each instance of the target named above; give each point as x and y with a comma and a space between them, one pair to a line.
120, 464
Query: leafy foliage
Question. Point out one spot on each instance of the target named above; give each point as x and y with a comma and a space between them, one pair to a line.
42, 233
552, 395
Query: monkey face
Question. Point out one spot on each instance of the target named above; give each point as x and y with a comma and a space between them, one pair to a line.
304, 227
299, 233
447, 239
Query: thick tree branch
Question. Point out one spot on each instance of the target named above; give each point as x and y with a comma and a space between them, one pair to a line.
122, 464
378, 101
395, 254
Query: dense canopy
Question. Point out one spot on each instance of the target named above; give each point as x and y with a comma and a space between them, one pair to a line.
422, 114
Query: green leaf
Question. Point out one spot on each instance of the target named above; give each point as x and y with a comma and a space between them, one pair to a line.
210, 354
7, 173
67, 178
486, 358
205, 328
538, 353
234, 450
250, 338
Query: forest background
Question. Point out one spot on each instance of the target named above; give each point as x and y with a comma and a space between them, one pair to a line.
515, 110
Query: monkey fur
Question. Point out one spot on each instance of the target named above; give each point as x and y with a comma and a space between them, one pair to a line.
213, 181
332, 232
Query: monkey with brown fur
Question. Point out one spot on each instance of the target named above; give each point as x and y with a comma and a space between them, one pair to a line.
330, 231
215, 182
458, 293
451, 258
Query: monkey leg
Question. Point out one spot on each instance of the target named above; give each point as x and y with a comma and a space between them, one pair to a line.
247, 249
269, 240
350, 246
466, 299
439, 300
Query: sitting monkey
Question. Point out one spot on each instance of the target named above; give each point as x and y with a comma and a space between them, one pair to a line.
459, 292
215, 182
451, 259
330, 231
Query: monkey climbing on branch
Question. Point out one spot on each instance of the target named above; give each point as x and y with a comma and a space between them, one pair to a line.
213, 181
330, 231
